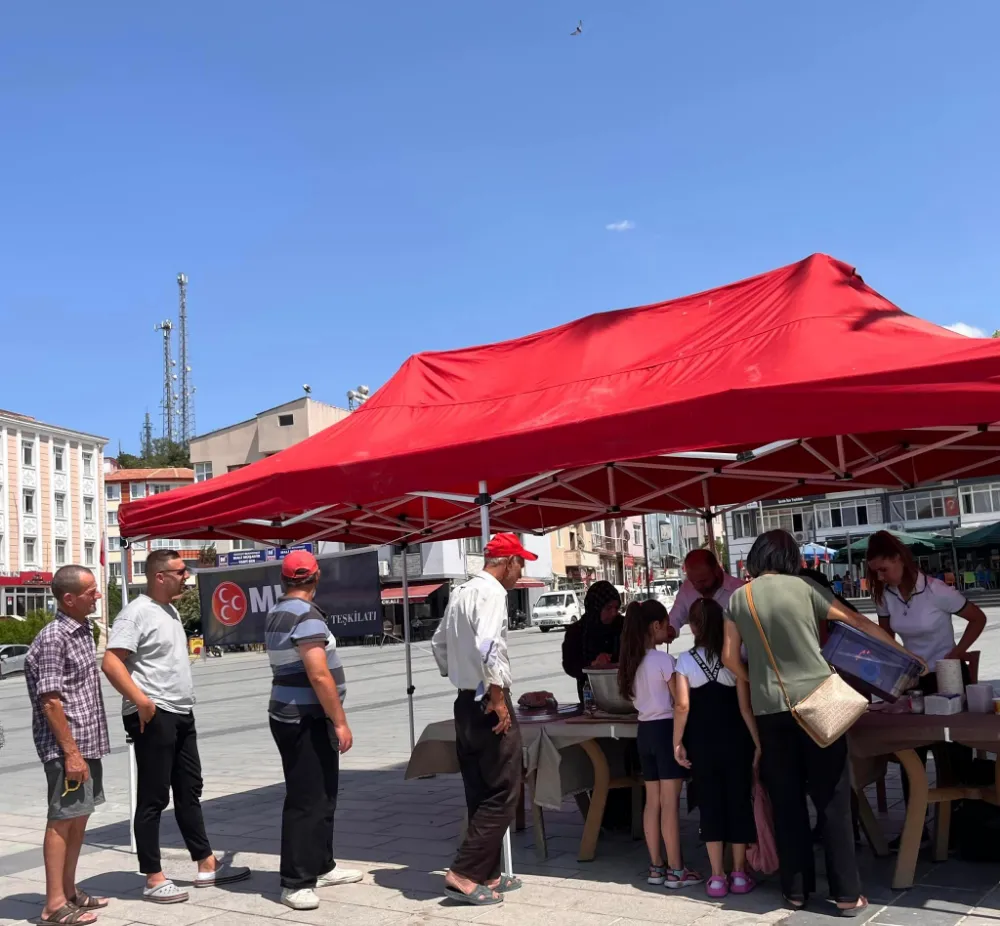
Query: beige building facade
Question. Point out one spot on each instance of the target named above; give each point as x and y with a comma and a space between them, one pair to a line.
125, 485
268, 432
51, 509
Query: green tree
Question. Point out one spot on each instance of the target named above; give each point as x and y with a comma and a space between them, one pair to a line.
25, 631
189, 608
207, 555
162, 452
114, 603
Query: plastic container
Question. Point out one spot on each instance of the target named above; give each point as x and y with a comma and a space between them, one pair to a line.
874, 667
589, 705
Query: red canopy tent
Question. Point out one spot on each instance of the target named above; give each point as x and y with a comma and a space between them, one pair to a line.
799, 381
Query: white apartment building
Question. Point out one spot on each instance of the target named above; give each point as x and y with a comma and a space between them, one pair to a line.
51, 509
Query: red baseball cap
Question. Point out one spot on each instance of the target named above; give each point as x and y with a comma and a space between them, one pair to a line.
299, 564
507, 545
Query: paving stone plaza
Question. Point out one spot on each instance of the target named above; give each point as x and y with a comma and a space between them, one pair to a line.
402, 834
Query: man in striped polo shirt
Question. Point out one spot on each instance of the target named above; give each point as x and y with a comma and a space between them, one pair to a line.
310, 729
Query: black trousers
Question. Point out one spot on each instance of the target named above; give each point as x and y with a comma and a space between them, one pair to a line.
166, 758
311, 763
725, 798
793, 767
491, 772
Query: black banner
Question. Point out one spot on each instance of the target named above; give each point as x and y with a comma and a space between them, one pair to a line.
235, 601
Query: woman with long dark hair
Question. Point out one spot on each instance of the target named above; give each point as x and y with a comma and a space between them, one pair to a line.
646, 678
792, 767
596, 637
715, 736
918, 608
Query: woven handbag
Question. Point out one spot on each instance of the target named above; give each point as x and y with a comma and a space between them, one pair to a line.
829, 710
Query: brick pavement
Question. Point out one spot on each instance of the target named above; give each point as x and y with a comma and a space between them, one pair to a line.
401, 834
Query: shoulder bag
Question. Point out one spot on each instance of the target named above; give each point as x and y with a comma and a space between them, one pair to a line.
829, 710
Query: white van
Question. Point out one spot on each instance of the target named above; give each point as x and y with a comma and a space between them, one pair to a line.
556, 609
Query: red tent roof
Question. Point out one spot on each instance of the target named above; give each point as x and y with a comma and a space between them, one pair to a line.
799, 381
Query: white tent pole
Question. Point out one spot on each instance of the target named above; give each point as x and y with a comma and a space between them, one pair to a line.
132, 773
406, 643
484, 521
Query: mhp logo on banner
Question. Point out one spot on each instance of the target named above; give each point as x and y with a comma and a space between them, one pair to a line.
235, 600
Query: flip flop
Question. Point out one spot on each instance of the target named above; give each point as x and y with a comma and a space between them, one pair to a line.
507, 884
67, 915
854, 911
84, 901
482, 896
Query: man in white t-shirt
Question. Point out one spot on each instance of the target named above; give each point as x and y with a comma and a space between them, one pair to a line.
705, 579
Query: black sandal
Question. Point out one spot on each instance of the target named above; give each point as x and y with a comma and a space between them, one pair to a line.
84, 901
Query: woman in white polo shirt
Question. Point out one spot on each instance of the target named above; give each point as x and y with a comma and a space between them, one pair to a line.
918, 608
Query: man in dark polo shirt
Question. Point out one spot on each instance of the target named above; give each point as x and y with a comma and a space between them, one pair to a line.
70, 730
310, 730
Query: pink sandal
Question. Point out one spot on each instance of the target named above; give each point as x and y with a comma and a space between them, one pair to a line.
718, 886
741, 883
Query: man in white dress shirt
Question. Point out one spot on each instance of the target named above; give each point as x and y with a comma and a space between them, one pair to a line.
705, 579
470, 646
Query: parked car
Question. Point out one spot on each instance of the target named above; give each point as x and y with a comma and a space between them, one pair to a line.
556, 609
12, 657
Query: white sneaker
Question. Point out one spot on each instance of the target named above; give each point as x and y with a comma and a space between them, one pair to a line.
336, 876
303, 899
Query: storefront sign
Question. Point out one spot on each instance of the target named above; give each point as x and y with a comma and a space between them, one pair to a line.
235, 600
249, 557
32, 577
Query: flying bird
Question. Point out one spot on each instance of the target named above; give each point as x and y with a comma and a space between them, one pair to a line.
579, 29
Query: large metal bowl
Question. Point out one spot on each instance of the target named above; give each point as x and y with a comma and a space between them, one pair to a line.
604, 683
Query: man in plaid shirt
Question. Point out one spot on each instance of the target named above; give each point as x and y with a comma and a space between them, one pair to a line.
71, 737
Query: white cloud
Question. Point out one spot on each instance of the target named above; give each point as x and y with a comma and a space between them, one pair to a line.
623, 225
970, 331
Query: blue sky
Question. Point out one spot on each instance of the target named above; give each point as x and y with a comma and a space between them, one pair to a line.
346, 184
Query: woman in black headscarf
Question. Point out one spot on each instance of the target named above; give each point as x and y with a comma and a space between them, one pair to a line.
597, 636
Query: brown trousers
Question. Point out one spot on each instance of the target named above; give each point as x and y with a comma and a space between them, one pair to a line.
491, 771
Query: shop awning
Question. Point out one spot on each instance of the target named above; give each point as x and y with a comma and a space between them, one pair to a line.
800, 381
919, 544
417, 593
525, 582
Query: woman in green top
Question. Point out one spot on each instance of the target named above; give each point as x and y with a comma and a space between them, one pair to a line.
792, 766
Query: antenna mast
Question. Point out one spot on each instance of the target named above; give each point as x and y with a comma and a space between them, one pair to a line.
167, 403
186, 427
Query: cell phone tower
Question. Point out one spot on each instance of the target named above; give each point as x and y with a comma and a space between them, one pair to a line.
186, 393
167, 403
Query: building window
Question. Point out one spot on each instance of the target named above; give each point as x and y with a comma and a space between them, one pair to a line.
243, 545
88, 509
60, 552
112, 491
137, 490
88, 463
857, 512
88, 553
112, 518
158, 488
139, 545
232, 469
114, 544
474, 545
27, 453
202, 471
744, 524
793, 520
559, 540
138, 569
924, 506
162, 544
28, 501
58, 463
981, 499
29, 550
286, 421
115, 571
60, 505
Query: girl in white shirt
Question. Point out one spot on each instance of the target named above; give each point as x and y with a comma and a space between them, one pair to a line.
646, 677
715, 735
